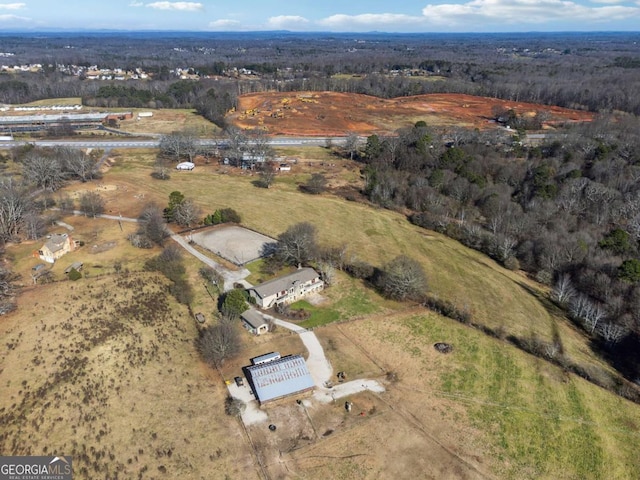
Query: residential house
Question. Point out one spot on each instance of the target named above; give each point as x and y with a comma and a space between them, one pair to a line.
287, 289
57, 245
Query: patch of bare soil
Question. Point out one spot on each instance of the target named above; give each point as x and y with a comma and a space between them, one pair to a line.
119, 198
103, 247
331, 113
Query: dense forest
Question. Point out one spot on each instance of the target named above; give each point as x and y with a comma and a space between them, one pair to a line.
567, 210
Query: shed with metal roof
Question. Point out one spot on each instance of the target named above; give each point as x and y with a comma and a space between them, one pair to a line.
279, 378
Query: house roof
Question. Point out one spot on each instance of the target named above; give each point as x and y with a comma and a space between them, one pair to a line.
253, 318
280, 378
56, 242
280, 284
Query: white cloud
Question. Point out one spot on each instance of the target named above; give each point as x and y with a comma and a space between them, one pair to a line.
224, 24
524, 11
370, 20
182, 6
476, 14
136, 4
287, 21
12, 6
13, 18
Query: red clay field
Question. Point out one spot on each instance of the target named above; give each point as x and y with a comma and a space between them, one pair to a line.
330, 113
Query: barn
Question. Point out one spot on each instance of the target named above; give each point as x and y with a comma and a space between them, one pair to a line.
278, 378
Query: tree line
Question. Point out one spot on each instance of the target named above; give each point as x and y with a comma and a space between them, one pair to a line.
567, 211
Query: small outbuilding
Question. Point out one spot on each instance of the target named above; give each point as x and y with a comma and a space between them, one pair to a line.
254, 322
266, 358
74, 266
279, 378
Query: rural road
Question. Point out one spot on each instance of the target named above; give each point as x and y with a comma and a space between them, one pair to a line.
230, 276
155, 143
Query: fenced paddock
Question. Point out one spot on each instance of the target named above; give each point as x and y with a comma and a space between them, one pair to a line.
231, 242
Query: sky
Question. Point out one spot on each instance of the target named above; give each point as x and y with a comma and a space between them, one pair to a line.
324, 15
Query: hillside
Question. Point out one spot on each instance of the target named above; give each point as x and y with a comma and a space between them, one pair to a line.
331, 113
91, 364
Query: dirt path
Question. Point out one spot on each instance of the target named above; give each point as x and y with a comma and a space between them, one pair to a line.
230, 276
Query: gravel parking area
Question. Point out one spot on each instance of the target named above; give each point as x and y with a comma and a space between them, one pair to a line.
231, 242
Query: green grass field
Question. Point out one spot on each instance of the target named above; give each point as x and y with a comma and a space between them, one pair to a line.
542, 422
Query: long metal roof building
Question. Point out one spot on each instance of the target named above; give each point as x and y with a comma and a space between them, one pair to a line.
279, 378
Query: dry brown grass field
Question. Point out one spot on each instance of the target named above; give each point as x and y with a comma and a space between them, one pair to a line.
105, 368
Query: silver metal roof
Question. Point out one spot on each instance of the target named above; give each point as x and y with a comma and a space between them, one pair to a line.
267, 357
72, 117
280, 378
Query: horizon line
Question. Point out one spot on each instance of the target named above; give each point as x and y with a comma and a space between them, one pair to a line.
307, 32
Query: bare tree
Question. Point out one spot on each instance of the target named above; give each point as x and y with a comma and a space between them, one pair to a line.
316, 184
43, 171
298, 244
267, 174
210, 274
327, 272
78, 163
92, 204
351, 144
218, 343
66, 204
403, 279
259, 144
152, 224
563, 290
612, 332
187, 213
34, 225
7, 291
15, 203
179, 144
238, 144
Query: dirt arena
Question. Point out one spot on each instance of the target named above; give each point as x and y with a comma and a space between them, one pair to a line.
236, 244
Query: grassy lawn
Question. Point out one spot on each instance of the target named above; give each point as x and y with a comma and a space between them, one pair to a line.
345, 299
542, 422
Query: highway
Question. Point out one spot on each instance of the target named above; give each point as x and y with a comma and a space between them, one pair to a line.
124, 143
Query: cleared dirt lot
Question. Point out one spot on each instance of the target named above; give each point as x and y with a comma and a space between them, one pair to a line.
330, 113
231, 242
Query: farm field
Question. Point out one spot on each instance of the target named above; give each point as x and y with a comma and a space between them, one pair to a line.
330, 113
109, 361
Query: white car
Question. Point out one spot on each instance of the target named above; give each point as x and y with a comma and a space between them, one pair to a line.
185, 166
